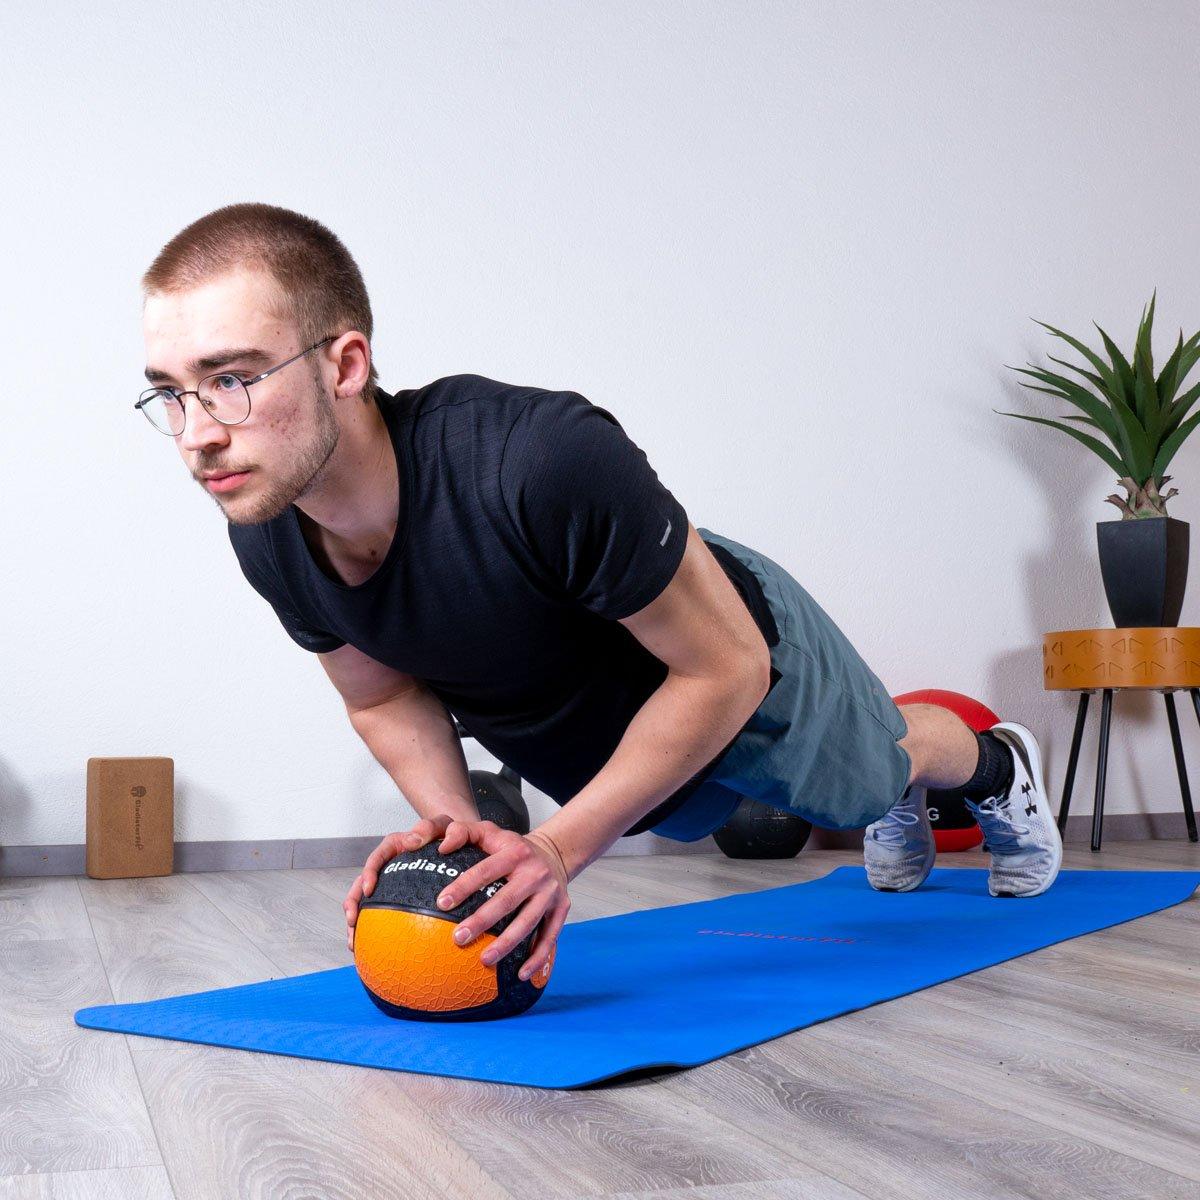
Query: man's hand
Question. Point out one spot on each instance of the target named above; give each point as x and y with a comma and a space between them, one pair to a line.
537, 885
427, 830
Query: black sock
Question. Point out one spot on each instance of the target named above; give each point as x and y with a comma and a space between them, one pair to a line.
994, 771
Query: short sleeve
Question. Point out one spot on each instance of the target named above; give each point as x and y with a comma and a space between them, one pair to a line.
256, 567
588, 507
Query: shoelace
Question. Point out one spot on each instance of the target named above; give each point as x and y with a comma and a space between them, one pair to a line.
895, 835
1002, 837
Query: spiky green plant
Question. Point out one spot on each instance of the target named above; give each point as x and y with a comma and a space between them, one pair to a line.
1143, 419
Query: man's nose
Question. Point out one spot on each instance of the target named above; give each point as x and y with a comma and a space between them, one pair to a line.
202, 428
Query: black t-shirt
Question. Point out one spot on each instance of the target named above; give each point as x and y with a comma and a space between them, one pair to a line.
529, 522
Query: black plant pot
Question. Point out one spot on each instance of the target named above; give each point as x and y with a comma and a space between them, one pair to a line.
1144, 563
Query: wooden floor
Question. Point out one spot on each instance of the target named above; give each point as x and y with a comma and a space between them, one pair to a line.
1074, 1071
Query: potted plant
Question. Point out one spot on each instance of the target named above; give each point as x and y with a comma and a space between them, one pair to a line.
1144, 555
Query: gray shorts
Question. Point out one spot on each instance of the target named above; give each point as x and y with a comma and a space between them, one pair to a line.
824, 743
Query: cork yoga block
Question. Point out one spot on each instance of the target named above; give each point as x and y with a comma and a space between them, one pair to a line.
130, 817
1153, 657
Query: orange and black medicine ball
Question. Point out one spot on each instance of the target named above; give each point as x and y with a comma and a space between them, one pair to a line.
405, 951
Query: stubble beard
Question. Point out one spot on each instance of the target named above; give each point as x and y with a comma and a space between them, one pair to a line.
303, 473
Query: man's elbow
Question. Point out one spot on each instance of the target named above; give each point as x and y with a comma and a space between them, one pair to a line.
762, 662
754, 675
764, 681
738, 681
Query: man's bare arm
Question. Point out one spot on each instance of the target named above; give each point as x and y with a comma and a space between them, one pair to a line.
408, 730
718, 671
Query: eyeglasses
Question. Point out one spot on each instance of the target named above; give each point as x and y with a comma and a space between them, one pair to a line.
226, 398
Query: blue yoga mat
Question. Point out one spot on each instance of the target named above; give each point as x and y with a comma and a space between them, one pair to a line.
674, 986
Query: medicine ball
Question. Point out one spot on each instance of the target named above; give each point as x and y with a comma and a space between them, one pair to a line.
407, 958
954, 828
756, 830
499, 800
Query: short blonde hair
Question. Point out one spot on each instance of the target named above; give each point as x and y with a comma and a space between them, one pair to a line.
319, 286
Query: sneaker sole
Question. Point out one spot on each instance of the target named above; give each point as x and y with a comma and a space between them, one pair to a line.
1032, 757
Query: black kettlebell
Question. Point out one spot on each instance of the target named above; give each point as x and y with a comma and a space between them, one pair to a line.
756, 830
499, 799
497, 796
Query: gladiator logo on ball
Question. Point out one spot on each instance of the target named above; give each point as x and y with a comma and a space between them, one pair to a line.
420, 864
440, 868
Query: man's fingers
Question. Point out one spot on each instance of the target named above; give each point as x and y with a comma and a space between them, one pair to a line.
522, 924
508, 899
422, 833
386, 850
539, 952
427, 830
495, 866
350, 905
381, 854
456, 836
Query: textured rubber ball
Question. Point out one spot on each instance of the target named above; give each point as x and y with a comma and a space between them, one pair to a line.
407, 958
757, 830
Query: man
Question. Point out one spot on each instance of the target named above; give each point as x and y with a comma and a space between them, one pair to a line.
506, 555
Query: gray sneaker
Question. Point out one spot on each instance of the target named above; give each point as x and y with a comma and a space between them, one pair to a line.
1019, 829
898, 849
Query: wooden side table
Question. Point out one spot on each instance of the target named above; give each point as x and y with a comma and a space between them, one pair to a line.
1108, 660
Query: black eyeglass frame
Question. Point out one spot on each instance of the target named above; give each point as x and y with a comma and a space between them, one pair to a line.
151, 393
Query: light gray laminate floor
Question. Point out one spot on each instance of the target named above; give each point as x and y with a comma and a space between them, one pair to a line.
1074, 1071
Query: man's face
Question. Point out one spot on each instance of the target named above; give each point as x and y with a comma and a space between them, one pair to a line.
291, 431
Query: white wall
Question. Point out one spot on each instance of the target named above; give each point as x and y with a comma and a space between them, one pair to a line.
791, 246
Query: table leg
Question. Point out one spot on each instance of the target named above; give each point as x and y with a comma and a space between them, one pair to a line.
1073, 761
1101, 767
1195, 694
1180, 766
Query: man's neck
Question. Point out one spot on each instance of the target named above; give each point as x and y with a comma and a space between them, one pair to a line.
349, 519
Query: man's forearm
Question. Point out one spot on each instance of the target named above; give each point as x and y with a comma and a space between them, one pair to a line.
683, 725
413, 738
